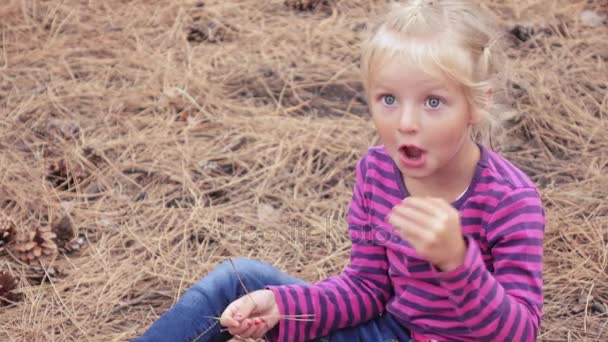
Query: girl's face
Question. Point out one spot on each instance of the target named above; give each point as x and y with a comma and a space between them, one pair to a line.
423, 121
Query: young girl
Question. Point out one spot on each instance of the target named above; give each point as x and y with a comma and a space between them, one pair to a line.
447, 236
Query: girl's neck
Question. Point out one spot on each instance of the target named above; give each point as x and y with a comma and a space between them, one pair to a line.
452, 180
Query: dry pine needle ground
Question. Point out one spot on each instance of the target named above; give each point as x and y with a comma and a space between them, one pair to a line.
143, 142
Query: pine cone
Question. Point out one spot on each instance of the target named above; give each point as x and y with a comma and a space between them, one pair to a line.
64, 175
209, 30
7, 284
7, 227
38, 275
32, 245
75, 245
64, 232
303, 5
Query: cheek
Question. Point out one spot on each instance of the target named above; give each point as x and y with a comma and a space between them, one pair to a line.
449, 131
382, 124
386, 132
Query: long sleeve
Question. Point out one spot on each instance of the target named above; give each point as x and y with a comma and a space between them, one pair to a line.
357, 295
504, 304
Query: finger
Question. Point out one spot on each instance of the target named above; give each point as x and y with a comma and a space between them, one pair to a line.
269, 321
260, 328
444, 206
408, 229
242, 328
437, 203
237, 311
423, 204
251, 329
443, 210
231, 317
260, 331
410, 213
438, 211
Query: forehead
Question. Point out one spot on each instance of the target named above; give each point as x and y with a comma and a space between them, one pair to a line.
394, 72
430, 58
393, 69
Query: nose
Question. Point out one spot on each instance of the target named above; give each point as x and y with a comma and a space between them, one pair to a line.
409, 121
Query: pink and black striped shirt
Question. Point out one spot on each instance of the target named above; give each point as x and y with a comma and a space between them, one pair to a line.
496, 295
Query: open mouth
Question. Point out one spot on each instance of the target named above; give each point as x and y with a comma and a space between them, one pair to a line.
411, 152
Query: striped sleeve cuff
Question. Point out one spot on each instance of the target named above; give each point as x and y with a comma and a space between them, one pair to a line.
279, 332
457, 279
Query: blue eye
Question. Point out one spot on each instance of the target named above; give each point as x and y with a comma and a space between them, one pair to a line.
389, 100
433, 102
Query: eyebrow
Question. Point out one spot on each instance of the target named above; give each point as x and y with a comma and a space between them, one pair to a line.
434, 85
439, 87
428, 86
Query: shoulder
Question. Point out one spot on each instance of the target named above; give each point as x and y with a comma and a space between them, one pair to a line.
515, 196
378, 174
375, 160
498, 179
503, 172
376, 155
503, 190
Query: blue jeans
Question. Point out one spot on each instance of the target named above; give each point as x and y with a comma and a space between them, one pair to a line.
189, 320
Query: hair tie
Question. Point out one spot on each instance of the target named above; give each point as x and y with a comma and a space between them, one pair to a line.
418, 4
492, 43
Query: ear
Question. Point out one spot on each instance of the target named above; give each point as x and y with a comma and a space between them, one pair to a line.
487, 103
490, 97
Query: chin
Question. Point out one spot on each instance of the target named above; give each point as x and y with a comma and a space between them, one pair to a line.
416, 174
422, 172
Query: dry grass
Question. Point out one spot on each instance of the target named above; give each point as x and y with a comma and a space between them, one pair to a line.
198, 133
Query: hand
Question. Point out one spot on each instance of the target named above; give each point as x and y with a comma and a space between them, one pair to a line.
252, 315
432, 227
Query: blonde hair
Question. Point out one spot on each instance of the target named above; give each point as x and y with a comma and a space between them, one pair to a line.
453, 37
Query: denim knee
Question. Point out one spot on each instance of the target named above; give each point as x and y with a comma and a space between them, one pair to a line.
241, 263
234, 273
243, 268
222, 284
235, 277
